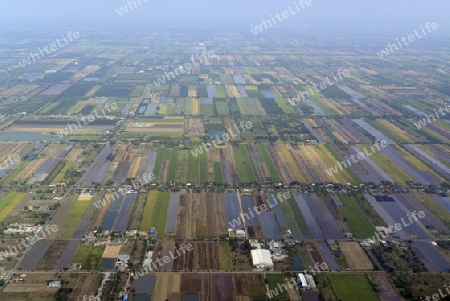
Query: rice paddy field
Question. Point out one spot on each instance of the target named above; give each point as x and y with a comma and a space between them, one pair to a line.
158, 155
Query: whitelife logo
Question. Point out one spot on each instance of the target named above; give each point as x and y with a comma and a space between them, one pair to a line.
355, 158
71, 127
322, 85
391, 48
265, 24
423, 122
124, 9
225, 137
184, 68
53, 47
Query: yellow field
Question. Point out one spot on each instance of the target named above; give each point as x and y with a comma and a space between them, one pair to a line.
60, 176
134, 167
10, 206
86, 197
163, 108
232, 91
398, 131
167, 283
192, 91
195, 106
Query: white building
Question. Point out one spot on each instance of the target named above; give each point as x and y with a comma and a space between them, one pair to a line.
311, 282
261, 259
302, 281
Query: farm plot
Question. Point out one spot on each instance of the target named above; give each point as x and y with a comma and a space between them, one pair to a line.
233, 211
258, 163
410, 202
86, 286
273, 202
155, 212
411, 165
166, 165
387, 290
172, 212
89, 257
352, 287
437, 165
196, 127
328, 256
147, 163
112, 213
8, 203
35, 255
385, 215
373, 131
400, 216
68, 254
322, 222
430, 257
52, 254
355, 218
145, 284
197, 167
71, 221
269, 225
286, 164
355, 256
99, 167
244, 165
203, 256
167, 286
124, 213
201, 215
366, 169
230, 173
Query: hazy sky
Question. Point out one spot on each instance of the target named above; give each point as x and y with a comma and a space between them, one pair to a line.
329, 13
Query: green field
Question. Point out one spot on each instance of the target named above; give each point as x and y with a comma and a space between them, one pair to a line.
355, 218
218, 174
244, 166
225, 256
285, 106
353, 287
155, 212
269, 163
197, 168
82, 253
74, 217
8, 203
171, 155
275, 281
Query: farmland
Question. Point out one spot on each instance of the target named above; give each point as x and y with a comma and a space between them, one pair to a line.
174, 162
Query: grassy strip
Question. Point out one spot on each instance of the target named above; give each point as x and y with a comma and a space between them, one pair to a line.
156, 208
353, 287
218, 174
60, 176
225, 256
274, 280
244, 165
355, 218
269, 163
